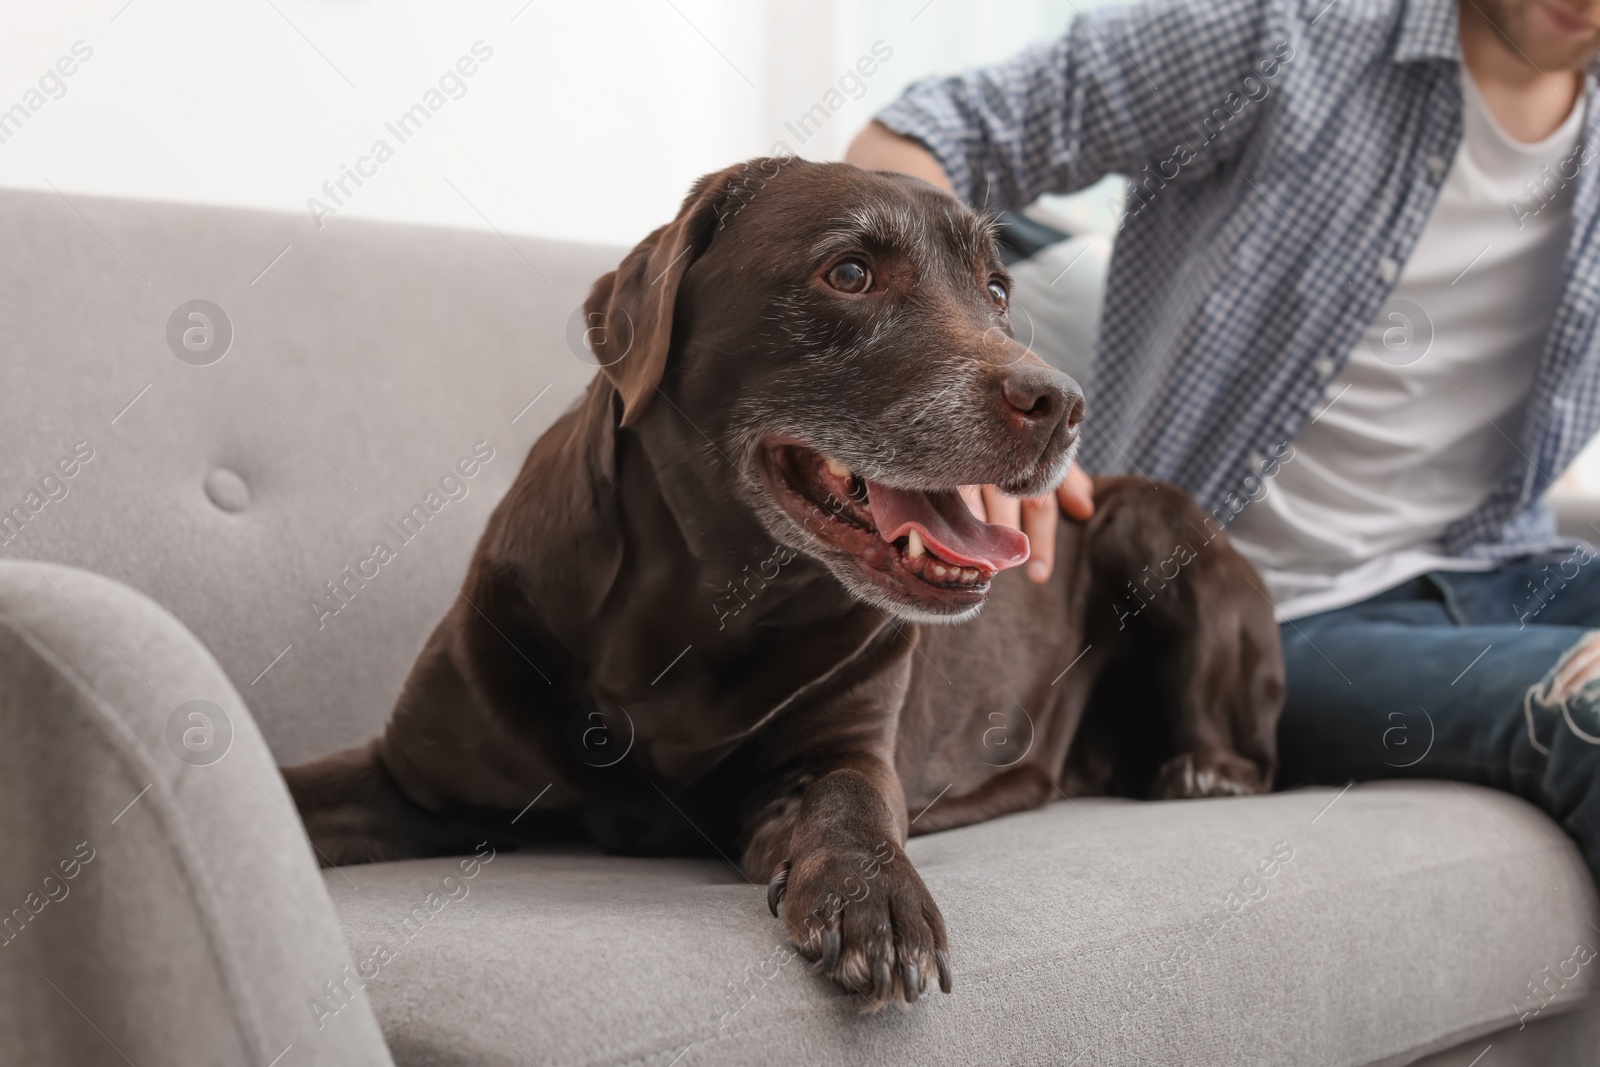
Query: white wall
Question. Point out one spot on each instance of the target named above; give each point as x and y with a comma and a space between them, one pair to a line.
589, 121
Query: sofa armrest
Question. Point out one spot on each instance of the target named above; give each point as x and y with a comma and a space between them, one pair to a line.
159, 902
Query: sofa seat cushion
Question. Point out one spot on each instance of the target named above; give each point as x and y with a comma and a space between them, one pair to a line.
1371, 926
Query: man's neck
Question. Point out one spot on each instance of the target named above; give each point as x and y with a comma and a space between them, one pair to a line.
1530, 104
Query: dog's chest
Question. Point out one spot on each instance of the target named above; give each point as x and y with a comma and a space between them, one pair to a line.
991, 696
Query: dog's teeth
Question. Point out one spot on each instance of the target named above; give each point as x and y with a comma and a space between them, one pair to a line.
969, 574
937, 570
837, 469
914, 547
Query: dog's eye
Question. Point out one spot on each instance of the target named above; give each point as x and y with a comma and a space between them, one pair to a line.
851, 276
1000, 295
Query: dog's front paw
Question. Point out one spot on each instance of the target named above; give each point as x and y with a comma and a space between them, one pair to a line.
865, 919
1190, 775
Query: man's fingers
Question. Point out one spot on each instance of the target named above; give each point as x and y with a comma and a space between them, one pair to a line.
1039, 520
973, 495
1035, 516
1003, 510
1076, 493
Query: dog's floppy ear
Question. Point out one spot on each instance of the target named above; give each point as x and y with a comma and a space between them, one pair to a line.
629, 311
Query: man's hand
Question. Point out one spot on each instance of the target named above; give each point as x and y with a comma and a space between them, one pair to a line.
1035, 516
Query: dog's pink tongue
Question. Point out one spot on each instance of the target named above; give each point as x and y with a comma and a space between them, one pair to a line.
948, 528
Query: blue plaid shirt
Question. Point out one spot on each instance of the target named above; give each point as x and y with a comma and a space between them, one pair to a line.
1283, 160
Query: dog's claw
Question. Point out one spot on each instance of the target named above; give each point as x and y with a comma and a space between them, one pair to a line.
831, 944
775, 888
879, 943
882, 981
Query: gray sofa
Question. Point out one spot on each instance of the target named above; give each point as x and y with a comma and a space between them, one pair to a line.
198, 601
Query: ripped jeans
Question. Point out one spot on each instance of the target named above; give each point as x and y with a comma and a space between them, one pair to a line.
1490, 677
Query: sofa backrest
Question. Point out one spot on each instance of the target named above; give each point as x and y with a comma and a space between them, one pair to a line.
376, 392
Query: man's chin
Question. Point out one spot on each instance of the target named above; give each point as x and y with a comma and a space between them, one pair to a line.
1555, 39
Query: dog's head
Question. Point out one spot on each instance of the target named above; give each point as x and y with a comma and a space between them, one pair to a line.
834, 345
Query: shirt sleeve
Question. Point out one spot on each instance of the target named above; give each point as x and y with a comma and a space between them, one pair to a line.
1120, 89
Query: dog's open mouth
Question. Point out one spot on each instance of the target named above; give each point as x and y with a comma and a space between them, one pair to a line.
924, 543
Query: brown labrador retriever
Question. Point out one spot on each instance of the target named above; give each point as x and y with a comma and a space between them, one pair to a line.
732, 602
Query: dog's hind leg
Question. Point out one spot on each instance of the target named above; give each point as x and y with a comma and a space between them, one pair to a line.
1225, 682
355, 812
1200, 630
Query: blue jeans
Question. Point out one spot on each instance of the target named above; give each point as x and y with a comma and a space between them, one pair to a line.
1476, 677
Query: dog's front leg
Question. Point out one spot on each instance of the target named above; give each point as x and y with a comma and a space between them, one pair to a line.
840, 878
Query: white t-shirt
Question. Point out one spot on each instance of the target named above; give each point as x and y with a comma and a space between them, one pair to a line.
1419, 426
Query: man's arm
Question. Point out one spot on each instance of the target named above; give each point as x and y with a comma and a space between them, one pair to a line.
1121, 89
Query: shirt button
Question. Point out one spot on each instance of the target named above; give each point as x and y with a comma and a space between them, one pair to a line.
1323, 368
1388, 269
1437, 165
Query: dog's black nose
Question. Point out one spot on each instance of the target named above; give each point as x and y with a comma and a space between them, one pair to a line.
1042, 396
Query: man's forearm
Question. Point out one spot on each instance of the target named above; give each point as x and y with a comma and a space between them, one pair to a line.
879, 148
